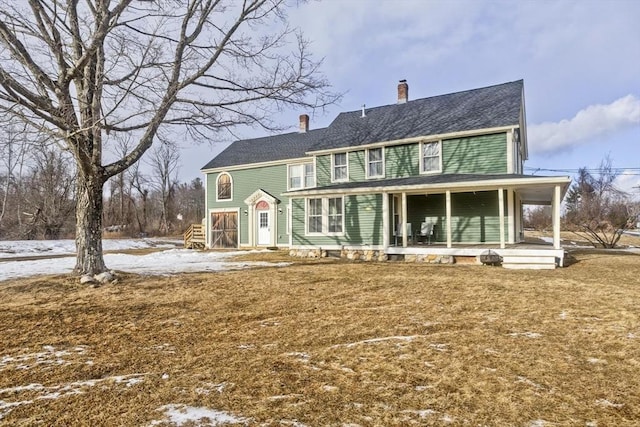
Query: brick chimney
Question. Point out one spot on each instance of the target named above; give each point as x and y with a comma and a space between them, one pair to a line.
304, 123
403, 92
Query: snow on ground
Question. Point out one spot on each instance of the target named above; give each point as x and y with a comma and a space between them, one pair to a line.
183, 414
30, 248
171, 261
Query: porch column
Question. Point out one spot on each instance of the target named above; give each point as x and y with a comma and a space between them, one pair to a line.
556, 217
518, 223
385, 220
511, 216
448, 208
501, 214
404, 220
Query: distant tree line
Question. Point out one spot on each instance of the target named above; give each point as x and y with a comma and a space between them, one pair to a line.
594, 208
38, 198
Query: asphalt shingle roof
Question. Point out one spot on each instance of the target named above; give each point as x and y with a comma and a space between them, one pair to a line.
489, 107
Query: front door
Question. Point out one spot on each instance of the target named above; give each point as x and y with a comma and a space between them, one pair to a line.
264, 228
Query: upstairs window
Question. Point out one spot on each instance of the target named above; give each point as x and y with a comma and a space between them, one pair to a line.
431, 158
375, 163
302, 176
224, 186
340, 171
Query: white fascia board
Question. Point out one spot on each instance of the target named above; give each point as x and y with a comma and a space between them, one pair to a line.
453, 187
256, 165
422, 138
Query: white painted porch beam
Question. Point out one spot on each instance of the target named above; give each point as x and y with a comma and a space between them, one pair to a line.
404, 220
385, 220
501, 214
448, 208
557, 195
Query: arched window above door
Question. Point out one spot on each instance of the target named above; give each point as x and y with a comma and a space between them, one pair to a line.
224, 187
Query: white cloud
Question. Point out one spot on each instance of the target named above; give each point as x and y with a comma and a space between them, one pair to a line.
629, 182
589, 123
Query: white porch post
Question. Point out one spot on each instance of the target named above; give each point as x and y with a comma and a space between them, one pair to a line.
556, 217
385, 220
448, 208
404, 220
501, 214
511, 216
518, 223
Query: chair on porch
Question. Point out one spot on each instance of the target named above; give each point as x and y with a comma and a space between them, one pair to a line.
426, 230
397, 234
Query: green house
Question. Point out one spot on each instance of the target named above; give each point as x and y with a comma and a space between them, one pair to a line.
439, 176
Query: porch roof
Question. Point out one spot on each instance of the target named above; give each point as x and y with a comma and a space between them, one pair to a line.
534, 189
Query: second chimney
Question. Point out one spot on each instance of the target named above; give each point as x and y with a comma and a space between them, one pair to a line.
403, 92
304, 123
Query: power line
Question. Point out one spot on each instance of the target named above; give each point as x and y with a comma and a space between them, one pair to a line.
590, 170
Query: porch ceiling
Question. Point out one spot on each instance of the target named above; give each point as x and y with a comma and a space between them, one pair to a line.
534, 189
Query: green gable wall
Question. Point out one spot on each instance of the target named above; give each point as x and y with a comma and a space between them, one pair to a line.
272, 179
485, 154
478, 154
402, 161
363, 222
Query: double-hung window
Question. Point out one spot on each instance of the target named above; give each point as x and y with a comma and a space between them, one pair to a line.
340, 171
431, 157
302, 176
375, 163
314, 216
335, 215
325, 215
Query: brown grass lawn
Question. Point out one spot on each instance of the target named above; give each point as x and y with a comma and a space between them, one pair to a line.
329, 343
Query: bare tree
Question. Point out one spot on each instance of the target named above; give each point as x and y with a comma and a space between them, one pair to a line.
164, 162
596, 210
82, 71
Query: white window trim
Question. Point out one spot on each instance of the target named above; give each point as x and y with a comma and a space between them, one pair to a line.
325, 217
230, 199
302, 177
333, 167
420, 158
366, 160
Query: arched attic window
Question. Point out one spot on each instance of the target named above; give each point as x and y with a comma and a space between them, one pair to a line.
224, 186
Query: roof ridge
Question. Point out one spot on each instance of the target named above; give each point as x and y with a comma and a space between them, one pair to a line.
431, 97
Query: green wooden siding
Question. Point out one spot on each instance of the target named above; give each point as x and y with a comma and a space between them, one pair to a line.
486, 154
357, 171
402, 161
272, 179
323, 170
363, 222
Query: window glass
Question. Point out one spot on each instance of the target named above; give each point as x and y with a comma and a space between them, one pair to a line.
374, 162
309, 175
314, 213
224, 187
431, 157
335, 215
340, 166
295, 177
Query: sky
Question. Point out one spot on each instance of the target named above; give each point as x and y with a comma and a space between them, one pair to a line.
580, 62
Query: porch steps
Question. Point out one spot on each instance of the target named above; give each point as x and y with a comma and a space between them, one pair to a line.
529, 262
194, 237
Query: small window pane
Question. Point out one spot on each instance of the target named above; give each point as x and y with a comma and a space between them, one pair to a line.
340, 166
295, 176
431, 157
224, 187
309, 175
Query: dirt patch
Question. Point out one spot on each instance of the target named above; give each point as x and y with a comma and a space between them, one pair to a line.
328, 343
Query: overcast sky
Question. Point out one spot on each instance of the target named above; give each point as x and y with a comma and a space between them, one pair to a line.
580, 61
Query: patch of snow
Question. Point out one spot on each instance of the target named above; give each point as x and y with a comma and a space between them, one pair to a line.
329, 388
596, 361
172, 261
422, 413
293, 423
208, 388
379, 340
438, 346
607, 403
180, 415
532, 335
537, 423
29, 248
6, 407
50, 356
525, 380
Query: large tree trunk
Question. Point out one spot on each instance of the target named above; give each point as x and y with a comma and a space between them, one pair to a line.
89, 258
